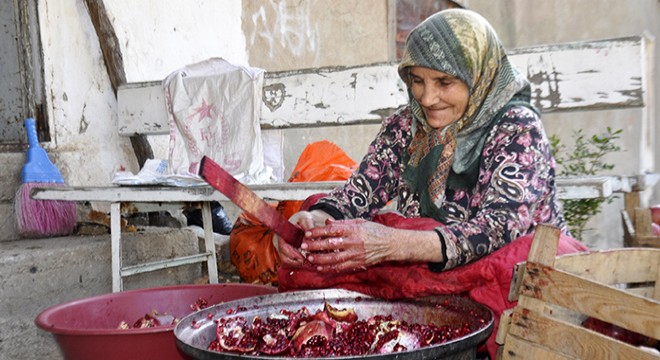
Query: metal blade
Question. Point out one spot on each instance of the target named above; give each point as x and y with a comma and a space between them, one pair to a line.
250, 202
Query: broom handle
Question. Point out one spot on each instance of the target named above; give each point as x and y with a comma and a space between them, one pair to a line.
31, 131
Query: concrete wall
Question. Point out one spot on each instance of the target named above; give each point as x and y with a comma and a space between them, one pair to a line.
158, 37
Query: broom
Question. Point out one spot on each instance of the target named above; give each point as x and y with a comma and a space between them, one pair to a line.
41, 218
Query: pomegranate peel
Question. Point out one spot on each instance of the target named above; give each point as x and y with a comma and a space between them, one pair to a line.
310, 330
345, 315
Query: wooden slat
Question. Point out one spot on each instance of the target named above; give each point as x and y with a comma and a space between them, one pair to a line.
656, 289
631, 201
643, 221
628, 229
592, 299
110, 48
610, 267
587, 187
115, 247
516, 280
645, 291
503, 327
519, 349
114, 63
647, 241
274, 192
209, 244
544, 245
568, 339
332, 96
565, 77
584, 75
637, 231
165, 264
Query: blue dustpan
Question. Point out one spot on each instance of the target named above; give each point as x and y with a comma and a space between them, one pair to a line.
38, 168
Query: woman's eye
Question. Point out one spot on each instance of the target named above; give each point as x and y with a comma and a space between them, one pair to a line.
445, 82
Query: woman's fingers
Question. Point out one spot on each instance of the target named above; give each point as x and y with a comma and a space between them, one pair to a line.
288, 254
342, 261
336, 253
326, 244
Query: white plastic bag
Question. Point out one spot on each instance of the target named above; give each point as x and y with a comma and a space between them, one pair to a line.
214, 110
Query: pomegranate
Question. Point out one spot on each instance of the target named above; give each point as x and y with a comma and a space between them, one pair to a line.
614, 331
330, 332
274, 344
655, 229
309, 331
354, 341
655, 214
272, 334
316, 346
232, 337
396, 340
200, 304
152, 319
294, 319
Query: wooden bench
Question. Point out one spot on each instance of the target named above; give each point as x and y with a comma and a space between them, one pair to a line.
607, 74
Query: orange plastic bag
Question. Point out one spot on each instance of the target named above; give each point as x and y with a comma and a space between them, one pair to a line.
251, 243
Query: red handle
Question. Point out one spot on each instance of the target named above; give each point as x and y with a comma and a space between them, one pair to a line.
250, 202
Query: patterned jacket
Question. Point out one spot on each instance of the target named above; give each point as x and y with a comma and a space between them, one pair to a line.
514, 192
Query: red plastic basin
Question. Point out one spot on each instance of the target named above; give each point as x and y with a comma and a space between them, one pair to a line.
87, 328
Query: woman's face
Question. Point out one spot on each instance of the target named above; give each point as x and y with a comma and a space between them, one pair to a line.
443, 97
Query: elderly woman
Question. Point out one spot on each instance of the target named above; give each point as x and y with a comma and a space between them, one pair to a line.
466, 164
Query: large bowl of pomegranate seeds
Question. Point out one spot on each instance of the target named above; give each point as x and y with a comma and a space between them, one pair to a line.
334, 323
134, 324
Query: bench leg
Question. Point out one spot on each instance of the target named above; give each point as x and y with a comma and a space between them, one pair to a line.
115, 244
209, 243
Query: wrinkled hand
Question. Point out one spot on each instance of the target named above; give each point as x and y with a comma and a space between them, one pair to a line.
348, 245
306, 220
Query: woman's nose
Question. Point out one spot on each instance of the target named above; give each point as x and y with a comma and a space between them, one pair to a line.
429, 96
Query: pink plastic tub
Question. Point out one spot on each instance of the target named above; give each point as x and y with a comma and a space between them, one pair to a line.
87, 328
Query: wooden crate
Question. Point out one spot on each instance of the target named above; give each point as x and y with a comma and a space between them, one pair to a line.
556, 293
637, 224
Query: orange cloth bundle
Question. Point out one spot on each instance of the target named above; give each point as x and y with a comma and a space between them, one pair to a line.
251, 243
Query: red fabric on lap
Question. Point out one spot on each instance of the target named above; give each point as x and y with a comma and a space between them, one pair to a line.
486, 280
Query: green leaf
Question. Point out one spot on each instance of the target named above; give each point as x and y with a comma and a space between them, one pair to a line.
585, 158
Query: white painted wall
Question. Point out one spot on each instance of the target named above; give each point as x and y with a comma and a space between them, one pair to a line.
158, 37
81, 102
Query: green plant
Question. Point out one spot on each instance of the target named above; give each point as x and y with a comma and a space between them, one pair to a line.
585, 158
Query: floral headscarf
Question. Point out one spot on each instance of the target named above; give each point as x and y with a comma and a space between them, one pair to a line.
460, 43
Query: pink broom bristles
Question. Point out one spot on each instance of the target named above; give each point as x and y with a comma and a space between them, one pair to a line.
43, 218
